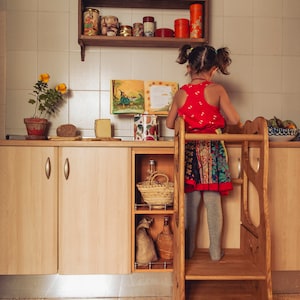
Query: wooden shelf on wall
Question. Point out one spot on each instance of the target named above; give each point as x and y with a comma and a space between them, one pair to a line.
148, 42
132, 41
154, 4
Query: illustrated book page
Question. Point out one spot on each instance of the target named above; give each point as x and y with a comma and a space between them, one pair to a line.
141, 97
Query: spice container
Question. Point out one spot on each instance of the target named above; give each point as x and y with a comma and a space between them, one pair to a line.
149, 26
138, 29
90, 21
182, 28
125, 30
109, 25
196, 20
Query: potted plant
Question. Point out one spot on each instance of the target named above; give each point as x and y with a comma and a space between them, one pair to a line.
46, 101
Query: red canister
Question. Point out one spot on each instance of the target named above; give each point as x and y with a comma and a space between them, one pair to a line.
182, 28
196, 20
164, 32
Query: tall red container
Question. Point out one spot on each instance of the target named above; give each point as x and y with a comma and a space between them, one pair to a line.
182, 28
196, 10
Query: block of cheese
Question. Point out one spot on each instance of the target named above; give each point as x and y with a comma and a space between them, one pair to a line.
102, 128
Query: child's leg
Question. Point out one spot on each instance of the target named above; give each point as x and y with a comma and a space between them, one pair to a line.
212, 201
191, 203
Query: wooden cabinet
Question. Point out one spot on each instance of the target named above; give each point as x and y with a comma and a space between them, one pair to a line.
94, 210
90, 187
284, 208
130, 41
164, 162
28, 210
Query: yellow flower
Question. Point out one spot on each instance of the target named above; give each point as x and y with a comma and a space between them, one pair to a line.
47, 100
44, 77
62, 88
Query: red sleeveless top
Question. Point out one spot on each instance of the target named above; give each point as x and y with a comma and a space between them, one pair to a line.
199, 116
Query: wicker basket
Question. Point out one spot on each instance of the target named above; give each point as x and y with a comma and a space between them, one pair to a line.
155, 192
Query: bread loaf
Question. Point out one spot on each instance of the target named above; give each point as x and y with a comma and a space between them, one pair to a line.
66, 130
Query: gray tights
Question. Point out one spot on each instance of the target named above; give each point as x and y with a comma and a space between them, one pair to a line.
212, 202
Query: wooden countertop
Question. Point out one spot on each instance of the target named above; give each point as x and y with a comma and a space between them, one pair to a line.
131, 144
87, 143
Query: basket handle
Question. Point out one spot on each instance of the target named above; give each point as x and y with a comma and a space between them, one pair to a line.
154, 175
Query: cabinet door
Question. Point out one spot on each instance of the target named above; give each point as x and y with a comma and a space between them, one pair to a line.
94, 218
283, 193
28, 210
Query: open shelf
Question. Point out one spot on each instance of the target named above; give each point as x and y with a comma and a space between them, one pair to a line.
159, 265
153, 4
164, 163
144, 208
130, 41
133, 41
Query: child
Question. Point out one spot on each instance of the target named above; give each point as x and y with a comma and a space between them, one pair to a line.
205, 108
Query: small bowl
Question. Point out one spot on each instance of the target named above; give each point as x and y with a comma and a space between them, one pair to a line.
281, 134
164, 32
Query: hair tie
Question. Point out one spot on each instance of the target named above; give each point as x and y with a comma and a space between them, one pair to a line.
189, 51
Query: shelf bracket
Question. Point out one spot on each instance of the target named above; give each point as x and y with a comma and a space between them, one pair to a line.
82, 51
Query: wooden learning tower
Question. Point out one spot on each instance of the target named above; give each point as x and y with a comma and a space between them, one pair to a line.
244, 272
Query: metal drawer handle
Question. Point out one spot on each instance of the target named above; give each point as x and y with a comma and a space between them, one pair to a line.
67, 168
239, 168
48, 168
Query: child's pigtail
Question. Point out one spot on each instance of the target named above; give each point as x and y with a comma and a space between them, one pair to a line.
184, 52
223, 60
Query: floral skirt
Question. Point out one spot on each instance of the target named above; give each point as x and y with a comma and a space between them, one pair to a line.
206, 167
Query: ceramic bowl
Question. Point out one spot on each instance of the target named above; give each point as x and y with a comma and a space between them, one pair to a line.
164, 32
281, 134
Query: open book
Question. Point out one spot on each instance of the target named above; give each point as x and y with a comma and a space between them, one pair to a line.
139, 97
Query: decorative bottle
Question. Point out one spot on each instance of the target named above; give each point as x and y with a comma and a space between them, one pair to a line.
151, 169
164, 241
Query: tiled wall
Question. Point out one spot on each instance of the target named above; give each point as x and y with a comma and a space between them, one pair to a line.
263, 36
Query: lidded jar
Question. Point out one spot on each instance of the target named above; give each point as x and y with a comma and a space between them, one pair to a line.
149, 26
196, 20
90, 21
182, 28
138, 29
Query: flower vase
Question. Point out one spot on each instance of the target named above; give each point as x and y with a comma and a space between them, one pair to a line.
36, 128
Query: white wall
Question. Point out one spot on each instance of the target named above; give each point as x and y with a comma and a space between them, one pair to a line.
41, 36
